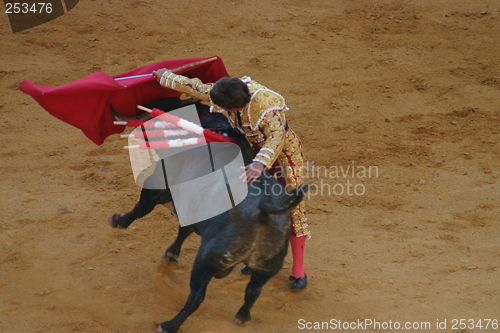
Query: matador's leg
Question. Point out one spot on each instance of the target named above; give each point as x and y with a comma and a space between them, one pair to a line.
290, 167
291, 162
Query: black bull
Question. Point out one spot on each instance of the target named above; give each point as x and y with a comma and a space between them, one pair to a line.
255, 232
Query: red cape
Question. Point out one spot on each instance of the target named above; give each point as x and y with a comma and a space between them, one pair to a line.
85, 103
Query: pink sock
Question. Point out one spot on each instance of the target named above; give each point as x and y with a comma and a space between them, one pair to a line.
298, 244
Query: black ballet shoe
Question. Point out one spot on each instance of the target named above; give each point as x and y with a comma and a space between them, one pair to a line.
298, 283
246, 270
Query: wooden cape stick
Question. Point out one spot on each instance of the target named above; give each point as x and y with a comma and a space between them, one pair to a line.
178, 69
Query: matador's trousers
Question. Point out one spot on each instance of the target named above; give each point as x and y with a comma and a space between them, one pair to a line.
288, 170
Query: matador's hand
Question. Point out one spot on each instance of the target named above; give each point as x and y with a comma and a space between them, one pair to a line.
158, 74
252, 171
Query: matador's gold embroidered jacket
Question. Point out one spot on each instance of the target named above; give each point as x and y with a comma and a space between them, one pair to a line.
263, 121
265, 107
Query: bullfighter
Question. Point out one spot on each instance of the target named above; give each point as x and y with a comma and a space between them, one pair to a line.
260, 114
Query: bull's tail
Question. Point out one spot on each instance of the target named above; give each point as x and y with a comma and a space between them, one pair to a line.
286, 202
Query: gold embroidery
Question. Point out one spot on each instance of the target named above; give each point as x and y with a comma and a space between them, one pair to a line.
264, 101
273, 130
193, 87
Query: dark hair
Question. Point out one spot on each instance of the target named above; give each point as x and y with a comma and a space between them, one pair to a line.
229, 93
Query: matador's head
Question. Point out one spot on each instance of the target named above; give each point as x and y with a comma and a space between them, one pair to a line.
230, 93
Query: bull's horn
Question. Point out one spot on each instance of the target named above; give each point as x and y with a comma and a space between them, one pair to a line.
142, 116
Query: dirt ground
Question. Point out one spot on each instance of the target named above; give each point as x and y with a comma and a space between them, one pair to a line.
405, 93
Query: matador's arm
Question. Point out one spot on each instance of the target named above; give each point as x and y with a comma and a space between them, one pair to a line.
193, 87
273, 128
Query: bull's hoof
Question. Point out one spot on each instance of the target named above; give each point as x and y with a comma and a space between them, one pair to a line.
246, 270
114, 220
298, 284
171, 259
165, 327
241, 319
119, 221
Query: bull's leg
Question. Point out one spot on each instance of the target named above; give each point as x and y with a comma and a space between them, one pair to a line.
200, 277
173, 251
252, 292
147, 202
